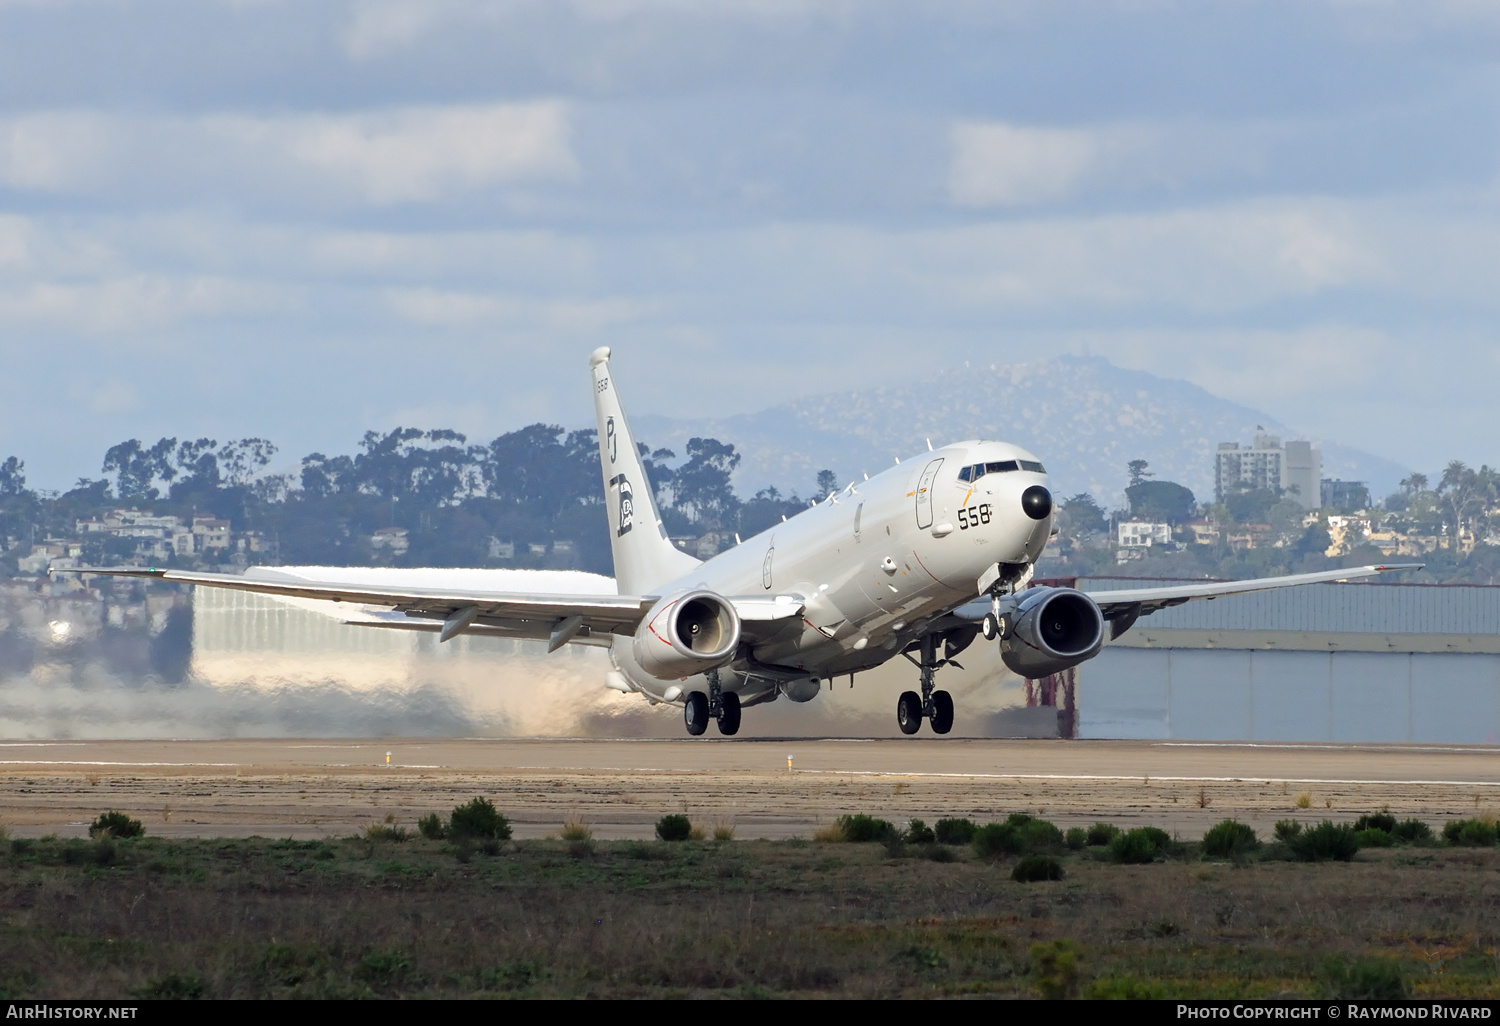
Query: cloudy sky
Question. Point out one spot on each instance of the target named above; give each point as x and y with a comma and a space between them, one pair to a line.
303, 219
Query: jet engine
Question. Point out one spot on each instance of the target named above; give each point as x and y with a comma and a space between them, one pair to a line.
687, 634
1050, 630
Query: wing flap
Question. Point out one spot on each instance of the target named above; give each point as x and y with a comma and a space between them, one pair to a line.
515, 630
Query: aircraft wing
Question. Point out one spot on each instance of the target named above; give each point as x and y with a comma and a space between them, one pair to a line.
554, 617
557, 619
1123, 607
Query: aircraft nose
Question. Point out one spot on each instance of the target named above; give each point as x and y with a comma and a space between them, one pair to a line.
1037, 502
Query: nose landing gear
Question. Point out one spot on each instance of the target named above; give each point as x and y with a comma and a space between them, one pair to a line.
936, 706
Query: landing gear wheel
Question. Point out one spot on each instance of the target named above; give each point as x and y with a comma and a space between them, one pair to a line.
695, 713
909, 712
729, 714
990, 627
942, 712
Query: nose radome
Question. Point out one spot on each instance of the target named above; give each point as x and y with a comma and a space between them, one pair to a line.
1037, 502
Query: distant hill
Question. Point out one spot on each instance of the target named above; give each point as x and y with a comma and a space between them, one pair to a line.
1084, 417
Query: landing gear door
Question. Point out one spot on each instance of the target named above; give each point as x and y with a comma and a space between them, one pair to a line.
924, 493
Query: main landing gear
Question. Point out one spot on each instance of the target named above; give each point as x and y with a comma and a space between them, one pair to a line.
936, 706
718, 704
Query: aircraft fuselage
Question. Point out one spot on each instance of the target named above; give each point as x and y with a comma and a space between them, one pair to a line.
874, 565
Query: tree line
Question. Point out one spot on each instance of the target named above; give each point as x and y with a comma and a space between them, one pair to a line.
532, 487
1457, 516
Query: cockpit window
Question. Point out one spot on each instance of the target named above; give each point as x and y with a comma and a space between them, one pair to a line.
978, 470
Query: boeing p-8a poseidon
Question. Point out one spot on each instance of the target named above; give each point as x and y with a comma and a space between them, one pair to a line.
916, 562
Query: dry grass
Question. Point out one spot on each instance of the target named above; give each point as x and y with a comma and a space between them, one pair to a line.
576, 829
723, 830
833, 833
1304, 800
259, 918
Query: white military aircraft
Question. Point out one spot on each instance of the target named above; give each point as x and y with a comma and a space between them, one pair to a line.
917, 562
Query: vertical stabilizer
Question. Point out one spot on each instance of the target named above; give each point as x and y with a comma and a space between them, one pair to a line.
645, 558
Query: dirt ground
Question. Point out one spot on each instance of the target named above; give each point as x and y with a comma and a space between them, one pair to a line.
311, 789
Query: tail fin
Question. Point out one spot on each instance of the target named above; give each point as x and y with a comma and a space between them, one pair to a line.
644, 557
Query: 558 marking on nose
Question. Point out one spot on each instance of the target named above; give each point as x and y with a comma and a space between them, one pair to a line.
973, 516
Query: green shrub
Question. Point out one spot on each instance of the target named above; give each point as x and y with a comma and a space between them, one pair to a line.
1124, 988
432, 828
1100, 834
1077, 838
510, 976
1471, 833
1229, 838
1376, 821
1412, 831
1369, 978
479, 819
1020, 834
954, 831
383, 968
674, 827
1325, 841
939, 853
387, 832
918, 832
116, 824
1141, 845
1033, 868
171, 987
992, 841
1373, 838
1286, 829
863, 829
1055, 968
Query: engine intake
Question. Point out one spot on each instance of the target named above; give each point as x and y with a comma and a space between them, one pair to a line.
1051, 630
687, 634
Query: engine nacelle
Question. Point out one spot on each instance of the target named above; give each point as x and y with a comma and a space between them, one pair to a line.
1050, 630
687, 634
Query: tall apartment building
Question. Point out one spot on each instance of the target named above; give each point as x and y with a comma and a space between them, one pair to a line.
1295, 468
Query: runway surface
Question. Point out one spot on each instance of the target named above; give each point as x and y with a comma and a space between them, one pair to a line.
310, 788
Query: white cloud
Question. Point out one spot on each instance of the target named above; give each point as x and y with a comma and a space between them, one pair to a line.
450, 309
1224, 257
15, 249
114, 396
417, 153
394, 155
55, 151
379, 28
116, 305
1007, 165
